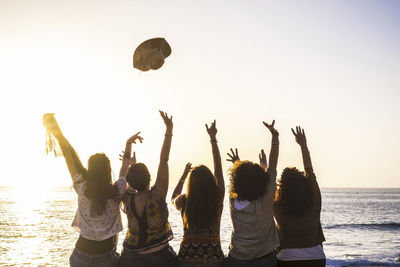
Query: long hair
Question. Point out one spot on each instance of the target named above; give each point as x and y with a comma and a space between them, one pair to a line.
99, 186
248, 181
294, 194
200, 208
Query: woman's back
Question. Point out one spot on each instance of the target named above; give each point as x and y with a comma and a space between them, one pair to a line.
203, 244
297, 209
254, 233
304, 230
150, 227
98, 226
201, 210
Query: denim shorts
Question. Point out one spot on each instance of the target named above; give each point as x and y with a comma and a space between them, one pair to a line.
165, 257
82, 259
267, 260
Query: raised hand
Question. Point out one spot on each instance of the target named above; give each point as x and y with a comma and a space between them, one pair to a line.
263, 159
212, 130
188, 168
133, 138
300, 136
271, 128
167, 120
234, 157
132, 160
50, 123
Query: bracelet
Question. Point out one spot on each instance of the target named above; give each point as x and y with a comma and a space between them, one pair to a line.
276, 144
170, 135
213, 140
126, 155
306, 152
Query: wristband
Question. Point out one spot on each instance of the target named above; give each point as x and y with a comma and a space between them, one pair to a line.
126, 155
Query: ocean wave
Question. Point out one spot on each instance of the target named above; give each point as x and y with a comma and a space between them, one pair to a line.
376, 226
351, 263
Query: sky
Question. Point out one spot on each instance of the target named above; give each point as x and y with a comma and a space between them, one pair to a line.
332, 67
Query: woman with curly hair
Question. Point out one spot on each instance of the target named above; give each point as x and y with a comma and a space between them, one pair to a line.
252, 190
201, 210
297, 210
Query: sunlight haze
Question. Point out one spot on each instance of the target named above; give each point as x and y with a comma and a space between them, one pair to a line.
332, 67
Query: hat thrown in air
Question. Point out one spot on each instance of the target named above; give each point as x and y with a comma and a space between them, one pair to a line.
140, 57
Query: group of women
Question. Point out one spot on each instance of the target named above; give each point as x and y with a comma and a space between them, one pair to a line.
274, 224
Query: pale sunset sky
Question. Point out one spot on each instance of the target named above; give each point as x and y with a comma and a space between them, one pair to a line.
332, 67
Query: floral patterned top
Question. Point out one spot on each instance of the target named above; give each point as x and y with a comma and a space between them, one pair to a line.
103, 226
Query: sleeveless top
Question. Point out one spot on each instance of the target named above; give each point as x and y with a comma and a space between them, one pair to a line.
152, 228
202, 245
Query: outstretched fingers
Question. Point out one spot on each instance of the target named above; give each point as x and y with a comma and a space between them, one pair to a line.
234, 156
271, 127
167, 120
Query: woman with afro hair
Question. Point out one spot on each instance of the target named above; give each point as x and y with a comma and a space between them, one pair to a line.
297, 210
252, 190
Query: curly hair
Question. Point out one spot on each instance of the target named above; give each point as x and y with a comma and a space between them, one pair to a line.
294, 194
248, 181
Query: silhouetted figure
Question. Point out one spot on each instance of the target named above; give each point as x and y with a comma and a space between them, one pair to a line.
252, 190
201, 209
297, 209
146, 241
98, 217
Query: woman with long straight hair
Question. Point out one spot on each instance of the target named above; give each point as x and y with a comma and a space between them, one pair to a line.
297, 211
146, 241
252, 190
201, 209
97, 218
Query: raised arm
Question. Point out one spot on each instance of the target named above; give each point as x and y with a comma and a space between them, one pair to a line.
126, 158
302, 141
74, 164
274, 152
163, 172
178, 189
212, 132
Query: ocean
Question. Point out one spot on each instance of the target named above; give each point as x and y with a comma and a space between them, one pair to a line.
361, 226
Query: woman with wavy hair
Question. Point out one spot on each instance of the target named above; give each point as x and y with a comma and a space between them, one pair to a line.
252, 190
146, 241
297, 210
201, 209
97, 218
